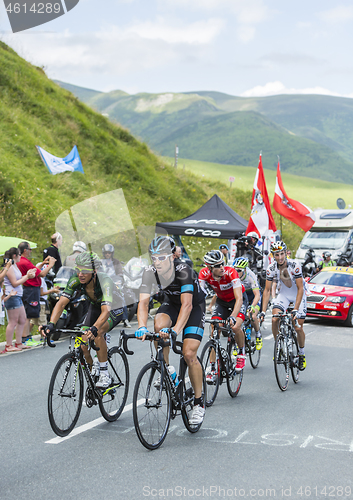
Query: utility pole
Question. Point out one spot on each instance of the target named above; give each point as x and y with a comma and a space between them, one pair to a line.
176, 156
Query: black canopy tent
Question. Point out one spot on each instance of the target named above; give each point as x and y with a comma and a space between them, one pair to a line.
215, 219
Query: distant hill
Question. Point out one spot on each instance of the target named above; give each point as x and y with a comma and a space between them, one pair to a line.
312, 134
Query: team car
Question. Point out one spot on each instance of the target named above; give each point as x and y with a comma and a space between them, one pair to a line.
331, 294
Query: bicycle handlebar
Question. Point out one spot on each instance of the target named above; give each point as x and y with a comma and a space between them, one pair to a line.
176, 344
51, 343
282, 315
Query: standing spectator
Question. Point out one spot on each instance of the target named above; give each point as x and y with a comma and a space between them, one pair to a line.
53, 251
13, 301
225, 251
44, 306
78, 247
178, 253
3, 273
31, 288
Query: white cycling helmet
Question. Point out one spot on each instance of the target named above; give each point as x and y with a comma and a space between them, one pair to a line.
213, 257
79, 246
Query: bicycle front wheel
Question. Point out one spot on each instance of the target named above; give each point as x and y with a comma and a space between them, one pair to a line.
65, 395
188, 399
114, 397
294, 359
281, 362
211, 386
254, 354
234, 379
151, 407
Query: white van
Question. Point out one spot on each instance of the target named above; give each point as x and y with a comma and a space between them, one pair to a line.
333, 231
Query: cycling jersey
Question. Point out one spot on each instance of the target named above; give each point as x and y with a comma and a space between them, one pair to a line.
223, 287
294, 271
249, 280
105, 291
184, 281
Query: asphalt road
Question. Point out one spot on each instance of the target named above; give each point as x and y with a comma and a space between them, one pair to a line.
262, 444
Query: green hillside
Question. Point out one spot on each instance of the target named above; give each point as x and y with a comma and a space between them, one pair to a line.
315, 193
36, 111
312, 134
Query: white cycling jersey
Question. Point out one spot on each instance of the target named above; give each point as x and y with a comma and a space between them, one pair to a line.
249, 280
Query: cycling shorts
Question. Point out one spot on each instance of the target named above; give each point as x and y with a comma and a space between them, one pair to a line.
195, 325
223, 309
250, 295
93, 313
283, 300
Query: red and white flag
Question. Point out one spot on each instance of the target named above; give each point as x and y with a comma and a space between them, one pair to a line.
292, 210
261, 219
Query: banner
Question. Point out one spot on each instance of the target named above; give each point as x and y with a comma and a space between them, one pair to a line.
261, 220
71, 163
292, 210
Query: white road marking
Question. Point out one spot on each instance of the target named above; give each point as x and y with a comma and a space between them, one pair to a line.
88, 426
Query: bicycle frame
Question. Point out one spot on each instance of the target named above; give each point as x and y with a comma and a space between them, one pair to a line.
216, 339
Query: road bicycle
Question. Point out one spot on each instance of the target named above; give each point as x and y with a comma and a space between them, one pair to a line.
157, 399
250, 341
66, 388
286, 351
224, 361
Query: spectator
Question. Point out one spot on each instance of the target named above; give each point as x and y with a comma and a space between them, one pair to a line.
326, 261
178, 253
53, 251
79, 247
7, 265
13, 301
225, 251
31, 288
44, 307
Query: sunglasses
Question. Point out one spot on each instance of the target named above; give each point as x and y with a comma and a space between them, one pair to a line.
217, 266
161, 258
83, 271
239, 269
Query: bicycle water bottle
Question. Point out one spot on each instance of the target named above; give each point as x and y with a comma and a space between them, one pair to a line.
174, 375
248, 333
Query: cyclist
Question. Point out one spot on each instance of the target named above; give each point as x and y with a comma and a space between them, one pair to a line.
104, 313
229, 303
289, 274
252, 290
183, 310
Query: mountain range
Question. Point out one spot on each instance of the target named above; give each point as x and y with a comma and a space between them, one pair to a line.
312, 134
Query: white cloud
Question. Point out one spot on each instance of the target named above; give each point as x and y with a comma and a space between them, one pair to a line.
339, 14
276, 88
118, 51
247, 14
197, 32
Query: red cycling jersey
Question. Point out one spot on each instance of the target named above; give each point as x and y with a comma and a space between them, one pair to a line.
224, 287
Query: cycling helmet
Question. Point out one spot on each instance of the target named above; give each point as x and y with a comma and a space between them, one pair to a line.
241, 263
326, 254
88, 261
278, 246
213, 257
108, 248
162, 244
221, 247
79, 246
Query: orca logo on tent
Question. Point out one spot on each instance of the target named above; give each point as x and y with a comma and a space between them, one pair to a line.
206, 221
202, 232
30, 13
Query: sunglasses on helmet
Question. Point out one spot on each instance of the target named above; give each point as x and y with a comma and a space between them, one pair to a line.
160, 258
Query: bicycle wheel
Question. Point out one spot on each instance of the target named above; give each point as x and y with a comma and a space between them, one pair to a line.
188, 398
234, 379
281, 362
65, 395
294, 358
211, 387
151, 407
114, 397
254, 354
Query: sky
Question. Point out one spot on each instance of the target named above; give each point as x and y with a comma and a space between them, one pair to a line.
240, 47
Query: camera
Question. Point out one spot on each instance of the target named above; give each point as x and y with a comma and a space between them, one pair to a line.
6, 261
